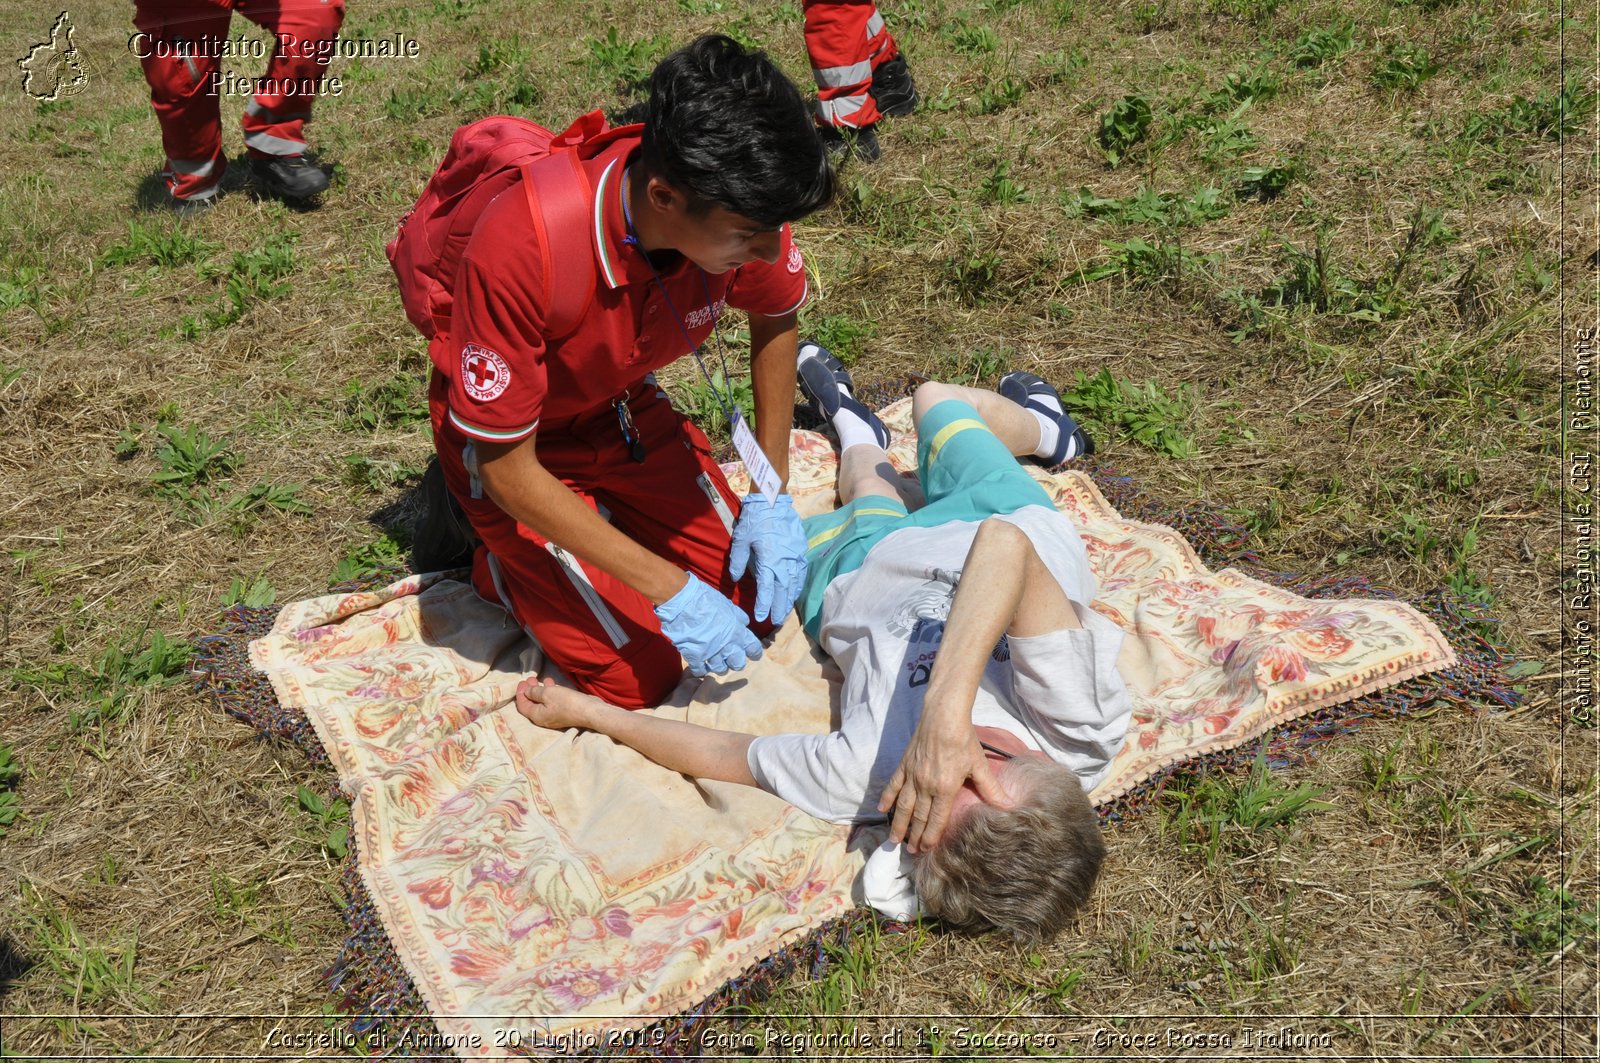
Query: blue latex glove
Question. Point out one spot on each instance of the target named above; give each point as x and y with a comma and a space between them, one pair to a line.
771, 531
707, 629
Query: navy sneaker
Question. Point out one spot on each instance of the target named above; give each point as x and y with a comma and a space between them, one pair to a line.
1034, 393
893, 90
827, 386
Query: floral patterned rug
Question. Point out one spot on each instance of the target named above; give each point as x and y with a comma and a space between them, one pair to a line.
555, 892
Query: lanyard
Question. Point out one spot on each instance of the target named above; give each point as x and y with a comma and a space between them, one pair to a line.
727, 403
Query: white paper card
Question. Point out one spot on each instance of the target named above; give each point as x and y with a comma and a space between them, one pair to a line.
763, 477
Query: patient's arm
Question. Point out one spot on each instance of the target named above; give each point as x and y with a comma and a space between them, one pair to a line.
1005, 587
704, 752
944, 752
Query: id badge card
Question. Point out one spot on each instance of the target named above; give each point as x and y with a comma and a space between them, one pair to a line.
763, 477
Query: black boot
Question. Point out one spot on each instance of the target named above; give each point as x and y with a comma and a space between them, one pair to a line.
840, 141
288, 176
443, 537
893, 90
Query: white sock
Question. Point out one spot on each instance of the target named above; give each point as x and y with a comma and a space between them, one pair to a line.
1049, 434
853, 429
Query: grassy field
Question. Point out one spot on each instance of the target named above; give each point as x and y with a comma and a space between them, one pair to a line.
1314, 263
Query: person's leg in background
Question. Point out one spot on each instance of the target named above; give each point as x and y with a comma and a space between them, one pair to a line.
183, 95
861, 75
275, 118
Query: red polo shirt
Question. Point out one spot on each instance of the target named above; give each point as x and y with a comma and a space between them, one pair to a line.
504, 377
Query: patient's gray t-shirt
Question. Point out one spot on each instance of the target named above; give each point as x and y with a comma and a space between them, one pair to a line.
1060, 693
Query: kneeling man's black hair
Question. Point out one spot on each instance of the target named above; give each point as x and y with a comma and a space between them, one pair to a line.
726, 127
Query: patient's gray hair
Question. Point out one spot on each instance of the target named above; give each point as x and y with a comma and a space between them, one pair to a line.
1024, 870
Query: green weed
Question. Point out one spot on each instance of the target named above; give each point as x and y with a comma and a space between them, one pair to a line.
980, 363
1548, 115
845, 336
1167, 210
395, 402
973, 274
24, 287
233, 901
10, 804
1413, 537
972, 40
85, 972
157, 245
1227, 138
332, 828
1145, 264
1275, 951
189, 457
252, 276
378, 474
1214, 810
1151, 15
626, 63
1136, 948
1148, 414
385, 556
1552, 919
998, 94
109, 873
1248, 84
1403, 66
1314, 280
482, 96
1000, 190
1463, 582
1383, 771
1257, 11
257, 593
699, 401
1122, 127
1265, 182
1061, 67
269, 497
1318, 46
125, 668
412, 104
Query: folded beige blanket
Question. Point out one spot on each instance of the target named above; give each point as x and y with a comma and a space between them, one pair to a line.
543, 888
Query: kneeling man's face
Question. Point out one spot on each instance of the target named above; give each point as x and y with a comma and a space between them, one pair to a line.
719, 240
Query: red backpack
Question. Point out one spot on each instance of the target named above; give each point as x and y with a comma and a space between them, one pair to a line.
485, 159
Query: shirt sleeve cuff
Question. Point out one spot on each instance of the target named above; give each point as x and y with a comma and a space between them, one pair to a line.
492, 435
805, 295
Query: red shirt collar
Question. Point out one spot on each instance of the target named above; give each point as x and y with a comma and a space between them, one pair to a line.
617, 261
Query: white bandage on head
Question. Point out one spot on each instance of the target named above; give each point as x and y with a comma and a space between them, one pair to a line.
886, 883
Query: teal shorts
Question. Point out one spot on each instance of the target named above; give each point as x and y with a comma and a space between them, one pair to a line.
966, 474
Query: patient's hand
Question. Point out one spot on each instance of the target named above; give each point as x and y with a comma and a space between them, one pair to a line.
547, 705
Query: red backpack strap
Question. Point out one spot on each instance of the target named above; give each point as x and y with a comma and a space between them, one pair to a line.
559, 202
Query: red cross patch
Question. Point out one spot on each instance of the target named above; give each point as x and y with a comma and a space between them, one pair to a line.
795, 262
484, 374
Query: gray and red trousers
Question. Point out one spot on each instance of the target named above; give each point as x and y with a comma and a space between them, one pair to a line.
846, 40
181, 46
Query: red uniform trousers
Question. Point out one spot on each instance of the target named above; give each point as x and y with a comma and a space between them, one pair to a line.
185, 92
676, 503
846, 40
